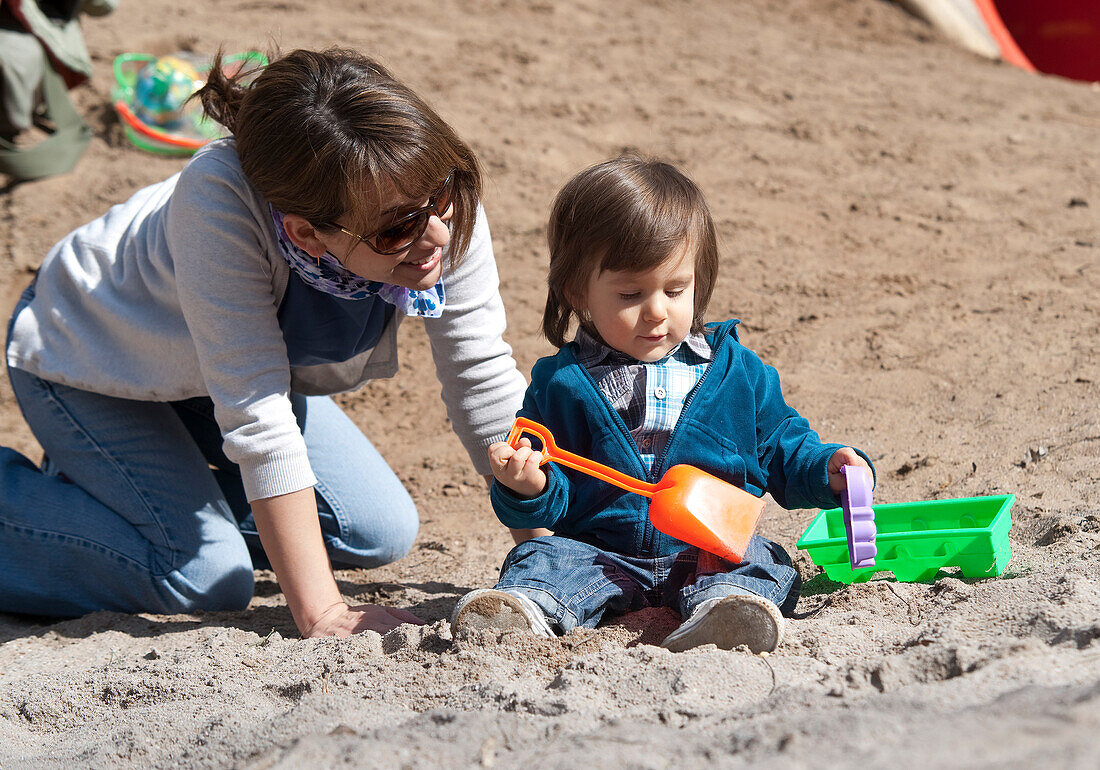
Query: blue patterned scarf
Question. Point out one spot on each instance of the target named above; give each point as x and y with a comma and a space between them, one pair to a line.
331, 277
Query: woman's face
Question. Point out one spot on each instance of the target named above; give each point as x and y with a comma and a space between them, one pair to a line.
418, 267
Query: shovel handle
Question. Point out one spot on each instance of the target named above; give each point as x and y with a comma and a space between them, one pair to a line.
551, 451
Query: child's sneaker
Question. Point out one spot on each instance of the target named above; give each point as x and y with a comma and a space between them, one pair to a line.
728, 622
490, 608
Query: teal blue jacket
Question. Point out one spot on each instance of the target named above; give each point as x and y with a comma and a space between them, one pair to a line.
734, 425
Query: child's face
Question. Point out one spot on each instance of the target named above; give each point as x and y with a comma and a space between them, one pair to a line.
644, 314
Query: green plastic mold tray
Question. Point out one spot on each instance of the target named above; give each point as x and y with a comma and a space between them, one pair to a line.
917, 540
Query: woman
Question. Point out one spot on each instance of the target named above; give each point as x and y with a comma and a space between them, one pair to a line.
174, 358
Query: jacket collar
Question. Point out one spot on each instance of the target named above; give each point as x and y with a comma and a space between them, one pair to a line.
591, 351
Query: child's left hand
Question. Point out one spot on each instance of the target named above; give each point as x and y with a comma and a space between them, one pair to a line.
841, 457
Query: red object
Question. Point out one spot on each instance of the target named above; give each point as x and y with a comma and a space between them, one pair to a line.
134, 122
1059, 37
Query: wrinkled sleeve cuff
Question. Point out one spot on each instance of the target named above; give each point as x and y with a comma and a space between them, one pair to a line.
821, 495
529, 513
277, 474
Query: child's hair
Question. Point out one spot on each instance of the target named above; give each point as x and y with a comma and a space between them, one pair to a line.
629, 214
321, 134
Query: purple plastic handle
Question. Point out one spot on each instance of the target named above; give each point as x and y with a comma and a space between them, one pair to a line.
859, 517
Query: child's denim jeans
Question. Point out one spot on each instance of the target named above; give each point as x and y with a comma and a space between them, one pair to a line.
576, 583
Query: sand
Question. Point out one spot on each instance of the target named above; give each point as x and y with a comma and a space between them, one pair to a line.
909, 234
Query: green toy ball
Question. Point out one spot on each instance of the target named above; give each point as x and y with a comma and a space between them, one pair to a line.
162, 88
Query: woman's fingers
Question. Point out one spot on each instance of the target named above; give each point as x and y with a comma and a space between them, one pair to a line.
372, 617
404, 616
343, 620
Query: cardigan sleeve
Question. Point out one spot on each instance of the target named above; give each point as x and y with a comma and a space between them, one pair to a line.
790, 452
481, 386
225, 291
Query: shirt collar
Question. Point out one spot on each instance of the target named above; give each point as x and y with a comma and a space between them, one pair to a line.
591, 351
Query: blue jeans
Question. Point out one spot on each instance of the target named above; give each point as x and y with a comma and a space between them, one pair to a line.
575, 583
138, 510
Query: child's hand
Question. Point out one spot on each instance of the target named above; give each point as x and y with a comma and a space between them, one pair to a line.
841, 457
518, 469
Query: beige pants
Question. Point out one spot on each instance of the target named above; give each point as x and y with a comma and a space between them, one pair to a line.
21, 70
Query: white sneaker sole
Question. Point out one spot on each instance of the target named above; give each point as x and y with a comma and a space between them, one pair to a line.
733, 621
488, 608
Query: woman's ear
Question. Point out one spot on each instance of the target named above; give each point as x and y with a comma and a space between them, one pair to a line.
304, 235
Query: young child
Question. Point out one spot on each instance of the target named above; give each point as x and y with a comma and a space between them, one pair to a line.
644, 386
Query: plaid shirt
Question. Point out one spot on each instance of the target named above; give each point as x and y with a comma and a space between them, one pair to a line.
648, 396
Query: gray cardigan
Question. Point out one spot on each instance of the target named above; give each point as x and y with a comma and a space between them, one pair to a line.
174, 293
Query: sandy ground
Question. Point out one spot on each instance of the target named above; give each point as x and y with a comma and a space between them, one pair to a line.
910, 235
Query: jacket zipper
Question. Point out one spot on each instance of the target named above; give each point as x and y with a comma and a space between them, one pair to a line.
618, 420
660, 463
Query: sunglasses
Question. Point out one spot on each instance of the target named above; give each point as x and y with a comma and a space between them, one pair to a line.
404, 232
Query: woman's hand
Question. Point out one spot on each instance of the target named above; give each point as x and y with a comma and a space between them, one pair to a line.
341, 621
518, 469
841, 457
291, 536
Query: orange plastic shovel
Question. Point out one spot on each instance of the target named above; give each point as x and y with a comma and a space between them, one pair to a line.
688, 504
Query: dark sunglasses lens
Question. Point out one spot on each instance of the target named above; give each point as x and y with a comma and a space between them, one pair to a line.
408, 231
402, 235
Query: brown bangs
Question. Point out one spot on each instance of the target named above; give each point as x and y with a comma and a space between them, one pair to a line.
411, 171
626, 214
326, 134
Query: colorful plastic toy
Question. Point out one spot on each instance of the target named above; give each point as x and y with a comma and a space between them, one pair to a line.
917, 540
859, 517
162, 88
688, 504
151, 97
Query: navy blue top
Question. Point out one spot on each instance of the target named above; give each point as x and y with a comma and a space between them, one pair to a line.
322, 329
734, 425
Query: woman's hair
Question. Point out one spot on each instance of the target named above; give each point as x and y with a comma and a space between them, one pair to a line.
628, 214
326, 133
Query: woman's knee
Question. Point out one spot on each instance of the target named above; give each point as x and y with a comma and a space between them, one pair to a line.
405, 528
371, 535
393, 537
209, 583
